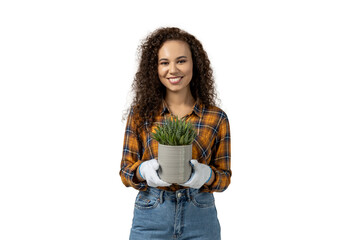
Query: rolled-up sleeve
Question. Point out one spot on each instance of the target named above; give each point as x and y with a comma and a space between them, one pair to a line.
221, 157
131, 157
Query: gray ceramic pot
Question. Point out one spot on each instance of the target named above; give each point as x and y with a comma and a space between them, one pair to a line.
174, 163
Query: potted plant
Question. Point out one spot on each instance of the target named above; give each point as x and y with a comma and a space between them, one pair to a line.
175, 139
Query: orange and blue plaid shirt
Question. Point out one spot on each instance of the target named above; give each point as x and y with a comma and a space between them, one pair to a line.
211, 146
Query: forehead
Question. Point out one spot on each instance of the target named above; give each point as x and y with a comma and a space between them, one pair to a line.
173, 49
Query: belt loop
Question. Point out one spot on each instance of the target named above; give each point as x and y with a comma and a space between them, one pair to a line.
188, 194
161, 196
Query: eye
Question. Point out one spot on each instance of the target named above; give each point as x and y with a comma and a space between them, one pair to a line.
163, 63
182, 61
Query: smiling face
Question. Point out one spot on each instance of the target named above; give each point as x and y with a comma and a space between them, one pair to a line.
175, 66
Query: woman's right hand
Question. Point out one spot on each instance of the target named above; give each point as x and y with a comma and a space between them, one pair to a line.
148, 172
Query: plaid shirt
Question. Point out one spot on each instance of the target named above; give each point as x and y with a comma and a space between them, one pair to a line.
211, 146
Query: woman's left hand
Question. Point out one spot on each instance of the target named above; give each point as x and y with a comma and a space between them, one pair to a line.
201, 174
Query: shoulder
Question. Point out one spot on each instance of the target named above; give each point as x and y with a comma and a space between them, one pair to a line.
133, 118
215, 118
137, 121
219, 119
215, 111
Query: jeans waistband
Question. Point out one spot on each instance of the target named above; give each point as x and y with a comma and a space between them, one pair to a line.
185, 194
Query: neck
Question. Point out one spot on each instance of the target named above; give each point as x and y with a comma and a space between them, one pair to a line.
179, 98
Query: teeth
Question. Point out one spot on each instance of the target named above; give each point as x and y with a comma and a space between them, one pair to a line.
174, 79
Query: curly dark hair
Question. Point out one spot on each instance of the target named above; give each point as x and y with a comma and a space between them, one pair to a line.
148, 89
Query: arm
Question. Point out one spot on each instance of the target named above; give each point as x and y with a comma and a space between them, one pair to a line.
220, 162
131, 158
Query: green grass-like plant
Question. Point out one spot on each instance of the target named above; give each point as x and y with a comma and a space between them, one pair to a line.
174, 132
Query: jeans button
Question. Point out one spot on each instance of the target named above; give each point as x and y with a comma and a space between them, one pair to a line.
179, 195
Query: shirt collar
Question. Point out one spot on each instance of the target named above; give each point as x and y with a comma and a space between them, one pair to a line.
197, 108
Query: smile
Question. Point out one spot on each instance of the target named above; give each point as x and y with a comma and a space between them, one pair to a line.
175, 80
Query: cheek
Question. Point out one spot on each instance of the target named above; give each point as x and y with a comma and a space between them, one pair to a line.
189, 71
162, 79
160, 70
189, 68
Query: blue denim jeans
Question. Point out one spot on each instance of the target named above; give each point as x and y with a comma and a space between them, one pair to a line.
185, 214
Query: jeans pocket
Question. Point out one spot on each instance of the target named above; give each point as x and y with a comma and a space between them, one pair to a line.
203, 200
146, 200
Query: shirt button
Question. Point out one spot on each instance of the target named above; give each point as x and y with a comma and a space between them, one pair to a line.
179, 195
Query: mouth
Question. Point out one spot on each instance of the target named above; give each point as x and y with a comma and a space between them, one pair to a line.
175, 80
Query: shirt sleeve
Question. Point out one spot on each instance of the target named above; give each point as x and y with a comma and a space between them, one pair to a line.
131, 157
221, 156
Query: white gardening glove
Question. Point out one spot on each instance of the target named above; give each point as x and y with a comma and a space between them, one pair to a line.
148, 171
201, 174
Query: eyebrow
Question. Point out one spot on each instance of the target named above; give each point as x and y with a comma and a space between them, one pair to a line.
176, 58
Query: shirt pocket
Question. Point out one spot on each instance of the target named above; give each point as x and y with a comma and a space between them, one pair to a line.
145, 200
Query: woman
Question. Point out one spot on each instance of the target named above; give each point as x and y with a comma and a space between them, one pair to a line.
174, 78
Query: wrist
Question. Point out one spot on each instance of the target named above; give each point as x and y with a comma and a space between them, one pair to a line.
138, 174
211, 178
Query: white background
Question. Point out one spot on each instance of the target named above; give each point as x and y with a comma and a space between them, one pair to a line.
287, 73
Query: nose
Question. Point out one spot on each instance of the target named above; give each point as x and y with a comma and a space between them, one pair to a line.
172, 68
